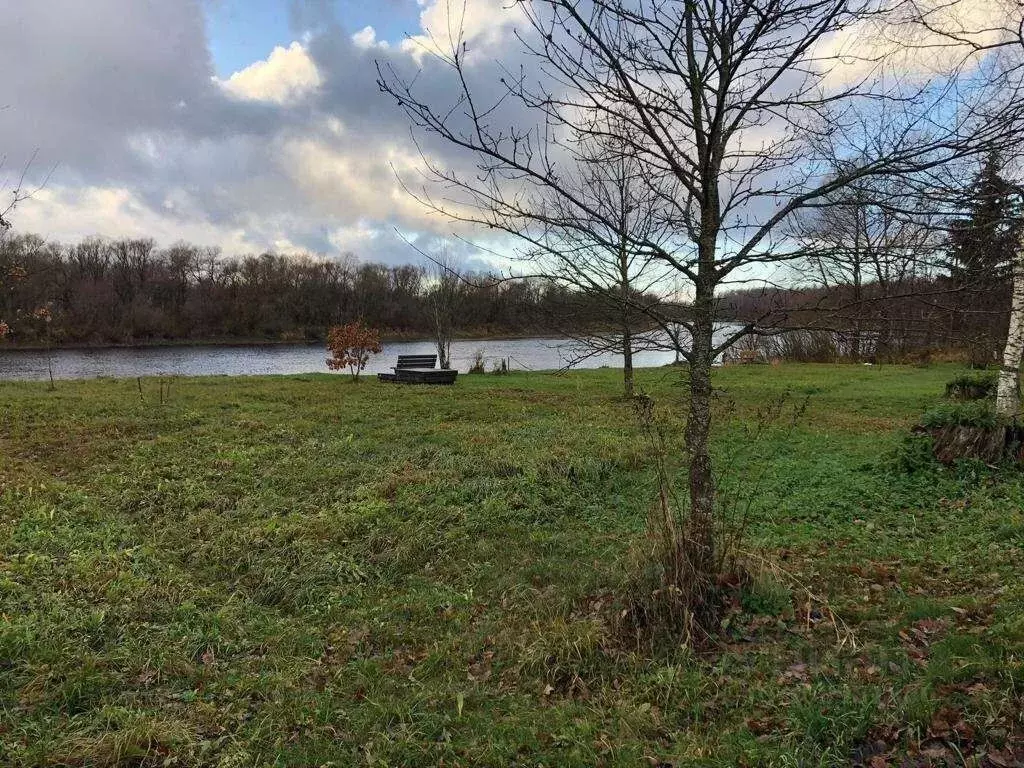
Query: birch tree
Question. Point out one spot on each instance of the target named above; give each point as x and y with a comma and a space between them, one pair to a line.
1008, 399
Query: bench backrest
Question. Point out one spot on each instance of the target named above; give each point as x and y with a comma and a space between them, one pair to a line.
416, 361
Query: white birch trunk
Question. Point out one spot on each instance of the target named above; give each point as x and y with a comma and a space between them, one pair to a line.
1008, 390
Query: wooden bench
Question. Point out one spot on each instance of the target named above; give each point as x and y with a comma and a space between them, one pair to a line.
419, 369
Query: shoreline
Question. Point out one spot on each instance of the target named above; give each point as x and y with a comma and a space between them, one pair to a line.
174, 343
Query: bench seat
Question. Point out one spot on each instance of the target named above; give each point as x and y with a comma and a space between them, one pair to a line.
426, 375
419, 369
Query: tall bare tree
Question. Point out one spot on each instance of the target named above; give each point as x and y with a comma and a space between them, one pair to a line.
866, 246
724, 104
444, 305
16, 195
597, 256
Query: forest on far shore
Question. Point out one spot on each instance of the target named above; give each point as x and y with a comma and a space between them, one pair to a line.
129, 291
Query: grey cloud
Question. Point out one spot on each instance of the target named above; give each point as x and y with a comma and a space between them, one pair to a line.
121, 93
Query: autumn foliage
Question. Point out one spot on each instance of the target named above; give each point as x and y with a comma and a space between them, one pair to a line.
351, 346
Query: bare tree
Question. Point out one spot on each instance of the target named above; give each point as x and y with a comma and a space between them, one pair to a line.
17, 194
597, 256
862, 252
724, 104
444, 295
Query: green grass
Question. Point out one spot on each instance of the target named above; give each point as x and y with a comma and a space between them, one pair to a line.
297, 571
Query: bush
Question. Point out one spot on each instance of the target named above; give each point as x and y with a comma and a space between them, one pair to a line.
915, 453
972, 386
750, 350
766, 597
975, 413
351, 346
477, 366
809, 347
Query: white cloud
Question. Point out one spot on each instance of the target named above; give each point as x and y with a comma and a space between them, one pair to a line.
911, 49
284, 77
366, 38
358, 238
296, 151
480, 24
357, 183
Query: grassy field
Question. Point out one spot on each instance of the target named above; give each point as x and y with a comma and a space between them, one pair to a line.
298, 571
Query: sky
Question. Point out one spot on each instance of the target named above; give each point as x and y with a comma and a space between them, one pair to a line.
250, 125
245, 124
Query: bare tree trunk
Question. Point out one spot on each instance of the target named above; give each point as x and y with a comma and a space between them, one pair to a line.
857, 297
1008, 390
627, 361
444, 349
699, 544
627, 336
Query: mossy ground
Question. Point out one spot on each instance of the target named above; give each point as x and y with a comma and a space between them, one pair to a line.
299, 571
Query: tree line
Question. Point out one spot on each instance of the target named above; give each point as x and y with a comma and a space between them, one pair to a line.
129, 291
883, 284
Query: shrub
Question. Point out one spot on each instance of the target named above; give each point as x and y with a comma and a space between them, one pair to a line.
915, 453
809, 347
972, 386
351, 346
975, 413
750, 350
477, 366
766, 597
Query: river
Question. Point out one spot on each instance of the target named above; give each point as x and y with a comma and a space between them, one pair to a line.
230, 360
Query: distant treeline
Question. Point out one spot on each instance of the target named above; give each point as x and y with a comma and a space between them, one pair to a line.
878, 284
129, 291
911, 318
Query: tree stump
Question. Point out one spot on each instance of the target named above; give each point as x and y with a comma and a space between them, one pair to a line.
990, 444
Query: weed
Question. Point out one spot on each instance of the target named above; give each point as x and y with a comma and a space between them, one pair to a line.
766, 597
977, 385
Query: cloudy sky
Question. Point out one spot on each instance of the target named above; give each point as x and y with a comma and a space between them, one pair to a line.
248, 124
245, 124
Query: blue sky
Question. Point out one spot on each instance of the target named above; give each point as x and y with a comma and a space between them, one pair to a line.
243, 31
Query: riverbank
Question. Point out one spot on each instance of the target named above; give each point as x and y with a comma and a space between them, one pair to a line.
304, 571
387, 338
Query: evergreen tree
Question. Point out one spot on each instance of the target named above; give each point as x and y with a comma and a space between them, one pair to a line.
983, 243
982, 246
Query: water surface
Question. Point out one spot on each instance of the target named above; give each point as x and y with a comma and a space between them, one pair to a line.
128, 362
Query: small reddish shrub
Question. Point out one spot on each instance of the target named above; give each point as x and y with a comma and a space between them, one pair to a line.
351, 346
